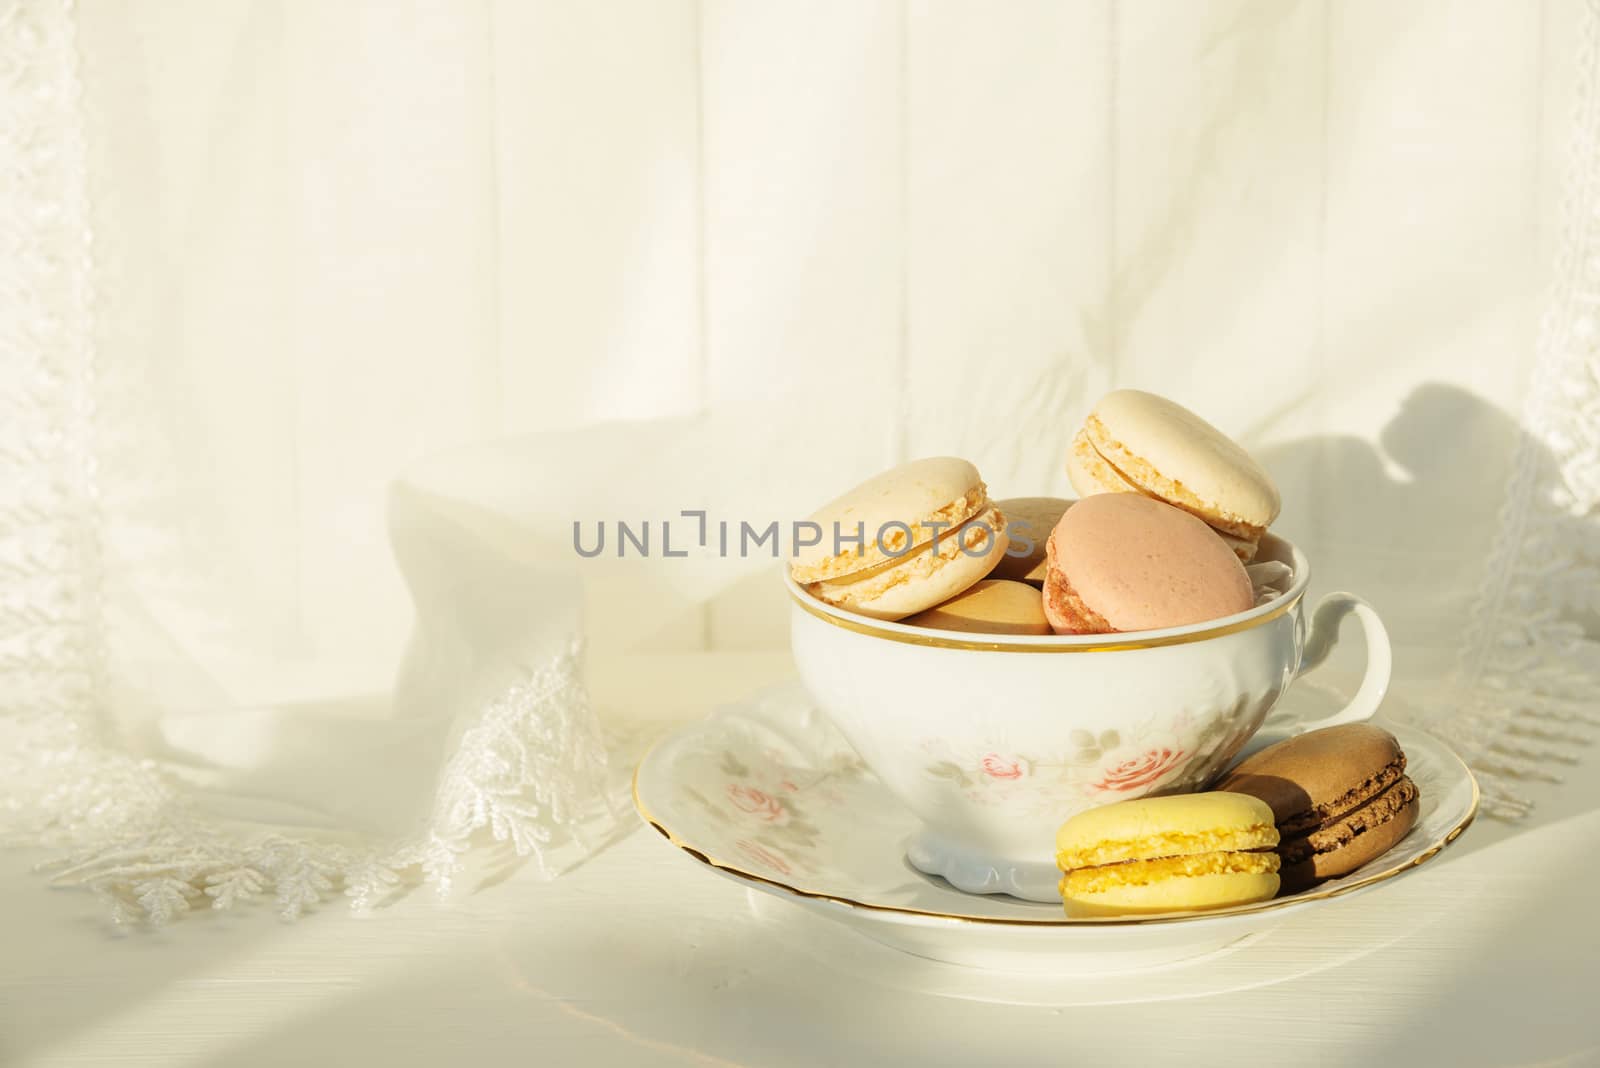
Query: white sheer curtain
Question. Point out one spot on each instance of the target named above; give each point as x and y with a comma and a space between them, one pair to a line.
381, 299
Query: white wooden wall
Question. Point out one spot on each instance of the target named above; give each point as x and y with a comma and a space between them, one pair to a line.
401, 229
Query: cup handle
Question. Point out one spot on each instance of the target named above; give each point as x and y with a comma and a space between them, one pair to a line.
1320, 642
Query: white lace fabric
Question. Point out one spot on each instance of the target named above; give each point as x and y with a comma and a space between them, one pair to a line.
488, 729
1530, 665
526, 766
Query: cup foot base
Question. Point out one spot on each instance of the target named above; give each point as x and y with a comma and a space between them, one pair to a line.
974, 871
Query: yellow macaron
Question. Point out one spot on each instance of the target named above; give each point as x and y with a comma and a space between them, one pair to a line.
1168, 854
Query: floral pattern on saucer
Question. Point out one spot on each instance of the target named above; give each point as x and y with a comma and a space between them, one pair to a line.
762, 789
769, 792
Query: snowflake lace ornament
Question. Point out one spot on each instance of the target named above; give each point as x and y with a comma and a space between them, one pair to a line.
528, 771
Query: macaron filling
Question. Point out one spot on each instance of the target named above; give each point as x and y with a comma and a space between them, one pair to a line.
981, 535
1340, 832
1159, 846
888, 545
1101, 878
1096, 468
1354, 798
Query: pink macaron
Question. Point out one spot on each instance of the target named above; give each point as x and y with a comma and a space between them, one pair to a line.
1122, 562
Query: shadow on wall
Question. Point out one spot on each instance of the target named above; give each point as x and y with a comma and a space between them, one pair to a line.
1410, 524
1407, 522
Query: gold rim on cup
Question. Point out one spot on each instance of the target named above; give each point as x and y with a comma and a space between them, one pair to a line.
942, 640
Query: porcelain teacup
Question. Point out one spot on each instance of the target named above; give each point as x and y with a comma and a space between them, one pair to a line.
994, 740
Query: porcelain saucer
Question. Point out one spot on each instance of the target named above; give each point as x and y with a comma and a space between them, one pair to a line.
768, 793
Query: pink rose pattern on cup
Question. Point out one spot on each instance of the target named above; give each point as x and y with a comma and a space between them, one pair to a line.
768, 807
1144, 770
1095, 769
998, 767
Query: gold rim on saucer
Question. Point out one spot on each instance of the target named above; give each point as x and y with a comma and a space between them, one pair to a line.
1063, 921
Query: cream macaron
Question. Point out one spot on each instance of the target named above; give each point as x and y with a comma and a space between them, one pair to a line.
1029, 521
1137, 442
904, 540
992, 606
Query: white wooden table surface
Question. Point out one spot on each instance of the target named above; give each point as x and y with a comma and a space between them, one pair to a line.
1490, 956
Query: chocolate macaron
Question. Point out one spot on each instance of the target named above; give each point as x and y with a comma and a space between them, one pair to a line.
1340, 797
